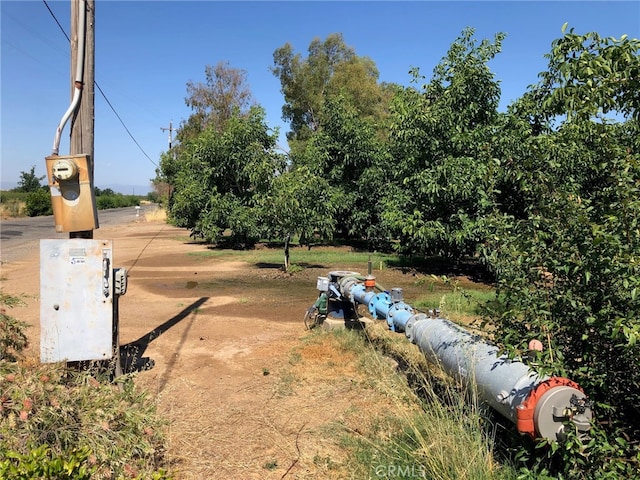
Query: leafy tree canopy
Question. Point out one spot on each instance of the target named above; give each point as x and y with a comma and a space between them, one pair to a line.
589, 75
442, 137
331, 68
29, 181
215, 101
218, 176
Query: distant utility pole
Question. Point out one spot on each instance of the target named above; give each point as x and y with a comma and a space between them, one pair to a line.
82, 123
164, 129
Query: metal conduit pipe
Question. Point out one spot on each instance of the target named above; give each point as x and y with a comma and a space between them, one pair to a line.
78, 81
540, 406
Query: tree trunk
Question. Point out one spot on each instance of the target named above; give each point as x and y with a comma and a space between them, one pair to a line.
287, 239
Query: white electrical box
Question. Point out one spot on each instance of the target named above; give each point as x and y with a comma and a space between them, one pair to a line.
76, 300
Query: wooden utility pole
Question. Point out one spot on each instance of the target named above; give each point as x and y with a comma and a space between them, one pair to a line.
164, 129
82, 123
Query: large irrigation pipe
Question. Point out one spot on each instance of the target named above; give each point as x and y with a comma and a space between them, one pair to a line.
540, 406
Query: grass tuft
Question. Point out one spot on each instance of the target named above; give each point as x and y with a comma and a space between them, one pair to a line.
431, 427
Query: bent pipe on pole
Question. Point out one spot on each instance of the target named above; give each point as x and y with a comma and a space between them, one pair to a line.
538, 405
78, 78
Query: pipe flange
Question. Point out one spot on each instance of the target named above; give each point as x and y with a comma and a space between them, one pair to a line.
549, 405
408, 330
336, 275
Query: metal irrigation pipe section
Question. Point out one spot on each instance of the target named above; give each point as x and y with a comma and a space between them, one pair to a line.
540, 406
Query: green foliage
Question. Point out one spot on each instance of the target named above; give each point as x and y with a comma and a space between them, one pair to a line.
349, 157
331, 68
59, 423
7, 196
589, 75
600, 456
12, 203
299, 203
28, 181
565, 250
442, 140
156, 197
66, 424
115, 200
219, 177
41, 463
39, 202
546, 195
99, 191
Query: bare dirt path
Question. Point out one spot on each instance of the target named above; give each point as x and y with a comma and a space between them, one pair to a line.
220, 345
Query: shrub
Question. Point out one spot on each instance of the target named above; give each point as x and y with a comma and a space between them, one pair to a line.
39, 203
74, 413
116, 200
66, 424
12, 337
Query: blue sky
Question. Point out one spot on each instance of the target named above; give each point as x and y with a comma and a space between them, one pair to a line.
146, 52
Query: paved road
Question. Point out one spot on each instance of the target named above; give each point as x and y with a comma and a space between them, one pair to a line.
21, 236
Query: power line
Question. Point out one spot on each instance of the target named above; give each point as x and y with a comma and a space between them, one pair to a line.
101, 91
122, 122
54, 17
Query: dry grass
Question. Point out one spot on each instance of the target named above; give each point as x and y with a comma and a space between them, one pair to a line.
156, 215
12, 209
449, 438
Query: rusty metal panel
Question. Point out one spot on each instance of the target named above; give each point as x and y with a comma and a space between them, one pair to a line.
72, 197
76, 300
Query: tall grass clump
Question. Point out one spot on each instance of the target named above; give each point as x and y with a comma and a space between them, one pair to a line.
436, 429
12, 204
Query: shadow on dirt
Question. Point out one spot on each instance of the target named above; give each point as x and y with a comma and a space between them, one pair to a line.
279, 266
132, 354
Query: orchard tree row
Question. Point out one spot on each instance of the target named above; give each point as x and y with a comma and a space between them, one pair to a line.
546, 194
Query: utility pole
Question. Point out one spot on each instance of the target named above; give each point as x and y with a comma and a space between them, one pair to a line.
164, 129
82, 123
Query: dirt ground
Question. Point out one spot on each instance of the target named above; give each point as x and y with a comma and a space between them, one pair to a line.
222, 348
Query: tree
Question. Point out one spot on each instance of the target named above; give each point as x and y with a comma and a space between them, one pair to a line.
565, 254
29, 182
442, 137
214, 102
100, 192
299, 202
589, 75
219, 176
349, 155
223, 159
38, 202
331, 68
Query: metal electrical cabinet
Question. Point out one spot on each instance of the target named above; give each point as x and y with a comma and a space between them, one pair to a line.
76, 300
72, 198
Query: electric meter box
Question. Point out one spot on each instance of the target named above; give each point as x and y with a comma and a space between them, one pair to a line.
76, 300
72, 194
